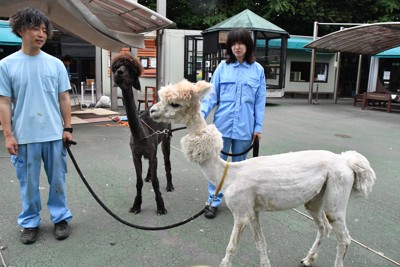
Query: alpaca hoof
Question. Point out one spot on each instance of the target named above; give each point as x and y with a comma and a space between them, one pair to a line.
135, 210
304, 263
169, 188
161, 211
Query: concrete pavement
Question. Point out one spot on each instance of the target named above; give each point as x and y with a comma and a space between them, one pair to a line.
104, 156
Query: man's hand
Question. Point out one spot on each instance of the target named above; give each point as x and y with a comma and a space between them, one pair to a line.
67, 136
11, 145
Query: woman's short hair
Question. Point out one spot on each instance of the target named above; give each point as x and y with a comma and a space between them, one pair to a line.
28, 18
243, 36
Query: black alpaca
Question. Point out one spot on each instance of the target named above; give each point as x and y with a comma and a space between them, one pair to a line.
143, 142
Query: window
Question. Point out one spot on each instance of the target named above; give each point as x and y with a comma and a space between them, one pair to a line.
300, 72
148, 62
389, 73
148, 58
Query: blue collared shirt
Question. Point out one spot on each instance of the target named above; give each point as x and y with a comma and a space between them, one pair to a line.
240, 90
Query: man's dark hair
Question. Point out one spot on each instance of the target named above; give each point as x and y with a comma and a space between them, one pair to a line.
28, 18
243, 36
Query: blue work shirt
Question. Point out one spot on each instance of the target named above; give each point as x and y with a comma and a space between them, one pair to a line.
240, 90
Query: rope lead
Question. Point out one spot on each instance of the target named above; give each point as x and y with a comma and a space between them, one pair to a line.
147, 228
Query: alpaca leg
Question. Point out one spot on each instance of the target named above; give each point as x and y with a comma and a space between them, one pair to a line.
156, 186
314, 208
148, 176
166, 150
137, 160
342, 236
335, 206
259, 238
231, 249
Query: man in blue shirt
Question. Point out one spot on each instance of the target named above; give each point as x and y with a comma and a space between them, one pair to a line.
35, 112
240, 92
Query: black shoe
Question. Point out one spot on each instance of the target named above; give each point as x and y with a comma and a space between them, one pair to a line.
29, 235
61, 230
210, 212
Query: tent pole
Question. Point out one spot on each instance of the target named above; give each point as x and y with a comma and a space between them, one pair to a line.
312, 68
358, 75
99, 76
337, 66
113, 89
335, 91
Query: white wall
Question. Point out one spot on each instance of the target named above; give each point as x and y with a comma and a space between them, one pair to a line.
105, 61
303, 87
174, 53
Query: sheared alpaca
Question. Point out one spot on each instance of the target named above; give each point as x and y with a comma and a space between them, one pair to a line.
320, 180
143, 142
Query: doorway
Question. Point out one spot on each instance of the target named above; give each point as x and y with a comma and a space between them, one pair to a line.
193, 58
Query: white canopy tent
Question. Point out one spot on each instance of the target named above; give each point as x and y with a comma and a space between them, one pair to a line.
107, 24
110, 25
366, 39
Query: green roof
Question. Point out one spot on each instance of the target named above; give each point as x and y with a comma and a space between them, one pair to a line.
248, 20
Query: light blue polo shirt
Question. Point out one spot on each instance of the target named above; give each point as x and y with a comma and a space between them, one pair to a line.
34, 84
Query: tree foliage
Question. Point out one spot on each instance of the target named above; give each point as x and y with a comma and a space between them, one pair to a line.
295, 16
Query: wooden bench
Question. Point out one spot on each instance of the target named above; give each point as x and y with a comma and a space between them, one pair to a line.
378, 101
358, 98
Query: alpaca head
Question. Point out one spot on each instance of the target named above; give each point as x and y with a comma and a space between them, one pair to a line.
126, 71
179, 102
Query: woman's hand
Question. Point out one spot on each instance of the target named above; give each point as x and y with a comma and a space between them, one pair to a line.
257, 135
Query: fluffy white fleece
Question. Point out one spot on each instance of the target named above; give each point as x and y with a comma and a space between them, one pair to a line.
203, 145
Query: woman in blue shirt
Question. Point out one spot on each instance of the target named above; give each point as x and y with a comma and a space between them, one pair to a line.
240, 92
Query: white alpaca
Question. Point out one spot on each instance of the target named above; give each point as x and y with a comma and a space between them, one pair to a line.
321, 180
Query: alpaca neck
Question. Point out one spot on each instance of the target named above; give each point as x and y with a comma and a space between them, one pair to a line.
196, 124
210, 161
135, 124
213, 170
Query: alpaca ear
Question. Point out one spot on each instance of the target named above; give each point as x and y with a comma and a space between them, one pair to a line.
201, 89
136, 84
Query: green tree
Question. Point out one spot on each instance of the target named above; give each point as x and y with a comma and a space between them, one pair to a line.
300, 19
295, 16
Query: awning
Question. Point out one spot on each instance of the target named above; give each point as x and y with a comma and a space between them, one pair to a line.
7, 37
368, 39
294, 42
391, 53
104, 23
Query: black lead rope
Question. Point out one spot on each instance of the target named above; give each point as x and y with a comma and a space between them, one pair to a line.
254, 145
112, 213
177, 129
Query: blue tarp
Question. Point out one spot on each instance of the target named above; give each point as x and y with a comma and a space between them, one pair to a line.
391, 53
293, 42
7, 37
